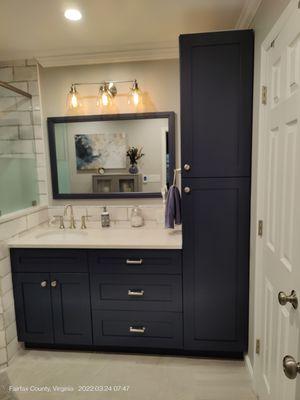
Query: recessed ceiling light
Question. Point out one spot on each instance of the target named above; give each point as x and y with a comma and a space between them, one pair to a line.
73, 14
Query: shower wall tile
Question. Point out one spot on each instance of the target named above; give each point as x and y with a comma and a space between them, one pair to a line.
6, 74
28, 73
9, 132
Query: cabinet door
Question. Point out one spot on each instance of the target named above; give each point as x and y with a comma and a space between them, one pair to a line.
216, 103
33, 307
215, 264
71, 308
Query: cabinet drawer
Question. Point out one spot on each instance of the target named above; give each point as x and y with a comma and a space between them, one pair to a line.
135, 261
48, 260
137, 329
136, 292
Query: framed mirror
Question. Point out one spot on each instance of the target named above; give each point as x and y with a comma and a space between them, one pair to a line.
111, 156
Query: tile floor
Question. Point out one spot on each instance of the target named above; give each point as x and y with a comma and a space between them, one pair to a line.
142, 377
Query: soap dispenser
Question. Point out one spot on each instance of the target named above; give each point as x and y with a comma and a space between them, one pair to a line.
136, 217
105, 218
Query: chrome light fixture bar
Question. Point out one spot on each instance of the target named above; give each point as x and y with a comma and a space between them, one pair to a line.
14, 89
107, 91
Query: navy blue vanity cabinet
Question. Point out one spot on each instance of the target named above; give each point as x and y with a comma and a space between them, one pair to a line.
137, 298
215, 273
52, 296
216, 103
216, 114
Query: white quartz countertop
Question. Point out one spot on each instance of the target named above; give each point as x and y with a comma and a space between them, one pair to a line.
101, 238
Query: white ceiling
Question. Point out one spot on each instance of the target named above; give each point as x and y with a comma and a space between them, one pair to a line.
33, 28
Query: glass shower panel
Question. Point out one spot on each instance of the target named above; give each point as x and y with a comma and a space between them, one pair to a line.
18, 170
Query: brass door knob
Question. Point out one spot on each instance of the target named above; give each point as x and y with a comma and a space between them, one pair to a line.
187, 167
291, 367
283, 299
54, 283
187, 190
44, 283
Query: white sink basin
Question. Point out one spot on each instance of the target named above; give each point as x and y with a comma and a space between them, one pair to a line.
62, 235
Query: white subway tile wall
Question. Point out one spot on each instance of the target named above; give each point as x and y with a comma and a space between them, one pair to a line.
20, 118
8, 229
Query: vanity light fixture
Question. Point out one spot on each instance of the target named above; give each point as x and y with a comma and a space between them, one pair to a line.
106, 94
73, 14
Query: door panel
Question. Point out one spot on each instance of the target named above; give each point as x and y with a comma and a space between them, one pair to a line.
216, 82
33, 307
71, 308
215, 260
280, 325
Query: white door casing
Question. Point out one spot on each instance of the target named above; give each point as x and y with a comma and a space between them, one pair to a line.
279, 326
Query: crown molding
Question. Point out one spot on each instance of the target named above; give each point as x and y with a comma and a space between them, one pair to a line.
247, 14
132, 53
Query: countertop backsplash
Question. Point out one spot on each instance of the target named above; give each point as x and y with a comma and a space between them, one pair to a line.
153, 215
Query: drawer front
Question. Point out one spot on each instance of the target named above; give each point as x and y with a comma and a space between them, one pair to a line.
136, 292
135, 261
48, 260
137, 329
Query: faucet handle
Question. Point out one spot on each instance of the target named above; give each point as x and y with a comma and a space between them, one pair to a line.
61, 222
83, 221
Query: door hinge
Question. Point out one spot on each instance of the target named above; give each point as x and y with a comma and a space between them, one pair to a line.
257, 346
264, 95
260, 227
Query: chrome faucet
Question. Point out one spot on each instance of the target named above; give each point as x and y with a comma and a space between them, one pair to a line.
72, 219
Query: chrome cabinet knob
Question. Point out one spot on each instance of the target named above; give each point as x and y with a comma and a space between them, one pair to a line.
187, 167
44, 283
187, 190
283, 299
291, 367
54, 283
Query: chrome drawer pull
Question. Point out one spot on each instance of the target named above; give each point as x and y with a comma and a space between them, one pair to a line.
133, 329
135, 293
135, 262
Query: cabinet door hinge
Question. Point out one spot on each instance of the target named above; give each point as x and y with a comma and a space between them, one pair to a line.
264, 95
260, 227
257, 346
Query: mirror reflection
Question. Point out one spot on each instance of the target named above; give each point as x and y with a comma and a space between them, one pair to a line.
111, 156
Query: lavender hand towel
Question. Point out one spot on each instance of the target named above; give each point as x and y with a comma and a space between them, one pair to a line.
173, 208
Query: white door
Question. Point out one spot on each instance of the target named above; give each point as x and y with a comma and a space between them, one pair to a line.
280, 324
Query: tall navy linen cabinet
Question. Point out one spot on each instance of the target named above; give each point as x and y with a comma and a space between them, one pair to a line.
216, 114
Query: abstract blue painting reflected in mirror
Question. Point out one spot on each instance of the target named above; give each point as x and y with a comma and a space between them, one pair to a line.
95, 151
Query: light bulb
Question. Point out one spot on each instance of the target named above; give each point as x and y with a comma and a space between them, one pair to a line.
136, 98
104, 97
105, 100
135, 95
73, 100
73, 14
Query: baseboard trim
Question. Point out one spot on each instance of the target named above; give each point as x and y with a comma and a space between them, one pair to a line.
249, 366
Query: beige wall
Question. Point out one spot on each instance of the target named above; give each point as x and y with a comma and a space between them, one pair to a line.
159, 81
267, 14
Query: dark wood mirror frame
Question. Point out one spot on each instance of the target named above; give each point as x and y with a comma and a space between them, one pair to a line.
107, 117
